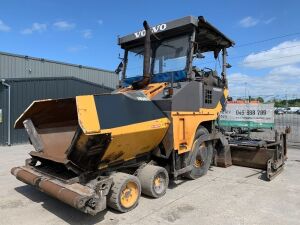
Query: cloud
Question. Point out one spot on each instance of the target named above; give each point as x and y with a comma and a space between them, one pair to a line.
4, 27
285, 53
275, 83
100, 22
64, 25
77, 48
268, 21
248, 22
36, 27
87, 34
289, 72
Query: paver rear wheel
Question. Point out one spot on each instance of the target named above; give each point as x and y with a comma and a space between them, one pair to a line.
200, 157
154, 180
124, 193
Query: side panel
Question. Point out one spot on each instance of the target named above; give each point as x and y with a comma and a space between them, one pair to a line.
185, 124
189, 99
130, 141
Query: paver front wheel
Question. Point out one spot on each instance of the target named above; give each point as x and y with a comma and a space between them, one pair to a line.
154, 180
124, 193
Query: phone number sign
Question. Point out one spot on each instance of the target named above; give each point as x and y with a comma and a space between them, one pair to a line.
252, 113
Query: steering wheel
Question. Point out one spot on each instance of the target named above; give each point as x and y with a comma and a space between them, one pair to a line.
207, 71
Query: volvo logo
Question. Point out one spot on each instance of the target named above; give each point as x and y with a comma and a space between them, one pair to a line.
157, 28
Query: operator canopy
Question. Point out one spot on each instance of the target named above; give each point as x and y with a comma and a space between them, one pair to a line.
207, 36
171, 45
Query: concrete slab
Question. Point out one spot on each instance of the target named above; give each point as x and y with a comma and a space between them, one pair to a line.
234, 195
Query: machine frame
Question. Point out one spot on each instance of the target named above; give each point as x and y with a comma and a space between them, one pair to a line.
105, 150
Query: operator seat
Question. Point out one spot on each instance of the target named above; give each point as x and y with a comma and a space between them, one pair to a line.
210, 77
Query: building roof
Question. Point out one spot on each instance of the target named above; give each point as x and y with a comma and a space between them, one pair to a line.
53, 61
22, 66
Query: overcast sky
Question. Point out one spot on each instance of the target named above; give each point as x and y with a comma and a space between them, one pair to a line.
85, 32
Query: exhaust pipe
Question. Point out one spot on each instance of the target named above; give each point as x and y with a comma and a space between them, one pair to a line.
147, 53
147, 57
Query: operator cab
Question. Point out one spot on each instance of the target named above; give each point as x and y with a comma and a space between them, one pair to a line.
175, 48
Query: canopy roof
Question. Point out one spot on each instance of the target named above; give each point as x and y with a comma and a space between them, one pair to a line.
208, 37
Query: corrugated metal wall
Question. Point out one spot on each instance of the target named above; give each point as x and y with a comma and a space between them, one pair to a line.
18, 66
24, 91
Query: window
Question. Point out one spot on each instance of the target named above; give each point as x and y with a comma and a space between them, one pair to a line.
167, 55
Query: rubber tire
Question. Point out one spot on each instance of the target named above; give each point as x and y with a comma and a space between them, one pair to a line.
201, 171
147, 175
113, 197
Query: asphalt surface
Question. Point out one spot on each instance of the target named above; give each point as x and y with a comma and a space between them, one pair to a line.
233, 195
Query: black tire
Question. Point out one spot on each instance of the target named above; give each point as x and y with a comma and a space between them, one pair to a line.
154, 180
120, 183
201, 155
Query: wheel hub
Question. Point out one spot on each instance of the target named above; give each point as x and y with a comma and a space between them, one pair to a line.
199, 158
159, 184
198, 163
157, 181
129, 195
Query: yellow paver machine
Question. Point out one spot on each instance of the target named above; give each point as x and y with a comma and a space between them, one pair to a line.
104, 150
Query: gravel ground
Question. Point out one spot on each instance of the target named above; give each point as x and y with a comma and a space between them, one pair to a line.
234, 195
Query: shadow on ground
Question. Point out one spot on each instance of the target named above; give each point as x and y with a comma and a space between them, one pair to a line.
62, 210
262, 175
173, 184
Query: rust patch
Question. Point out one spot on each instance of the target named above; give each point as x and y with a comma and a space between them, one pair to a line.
25, 176
62, 193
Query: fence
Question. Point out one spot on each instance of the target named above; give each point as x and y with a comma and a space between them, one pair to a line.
281, 122
289, 120
288, 116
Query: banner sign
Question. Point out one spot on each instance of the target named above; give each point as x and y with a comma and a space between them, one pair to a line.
251, 115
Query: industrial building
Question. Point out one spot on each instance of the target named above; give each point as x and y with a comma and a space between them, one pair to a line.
25, 79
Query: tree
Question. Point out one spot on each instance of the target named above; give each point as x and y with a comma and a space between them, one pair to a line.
260, 99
